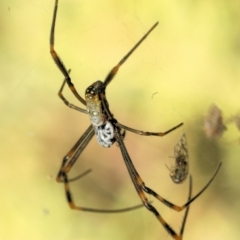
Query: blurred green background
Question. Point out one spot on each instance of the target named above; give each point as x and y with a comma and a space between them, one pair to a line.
191, 60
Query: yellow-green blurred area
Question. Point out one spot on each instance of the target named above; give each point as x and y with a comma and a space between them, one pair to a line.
189, 62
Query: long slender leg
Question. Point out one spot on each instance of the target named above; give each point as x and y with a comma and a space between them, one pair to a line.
148, 205
187, 209
80, 176
58, 61
113, 72
87, 209
67, 163
159, 134
171, 205
72, 156
142, 133
65, 101
141, 188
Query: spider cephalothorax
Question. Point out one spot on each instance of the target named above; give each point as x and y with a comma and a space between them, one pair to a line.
94, 104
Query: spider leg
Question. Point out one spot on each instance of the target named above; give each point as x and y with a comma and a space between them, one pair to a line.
141, 188
187, 209
86, 209
159, 134
66, 102
113, 72
142, 133
171, 205
134, 176
110, 115
57, 59
68, 162
72, 156
80, 176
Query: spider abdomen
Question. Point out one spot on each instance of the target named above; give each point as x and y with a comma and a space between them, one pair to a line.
105, 134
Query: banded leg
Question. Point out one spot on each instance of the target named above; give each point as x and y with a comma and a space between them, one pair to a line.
113, 72
141, 188
158, 134
187, 209
72, 204
171, 205
65, 101
72, 156
68, 162
57, 59
121, 126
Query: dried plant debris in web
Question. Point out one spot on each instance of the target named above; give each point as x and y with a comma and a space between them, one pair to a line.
213, 122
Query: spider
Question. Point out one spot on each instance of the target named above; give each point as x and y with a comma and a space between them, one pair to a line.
108, 131
179, 172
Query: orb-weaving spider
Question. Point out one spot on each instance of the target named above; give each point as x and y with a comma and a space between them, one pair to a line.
108, 131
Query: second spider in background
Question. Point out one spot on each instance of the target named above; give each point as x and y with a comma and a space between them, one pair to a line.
179, 171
